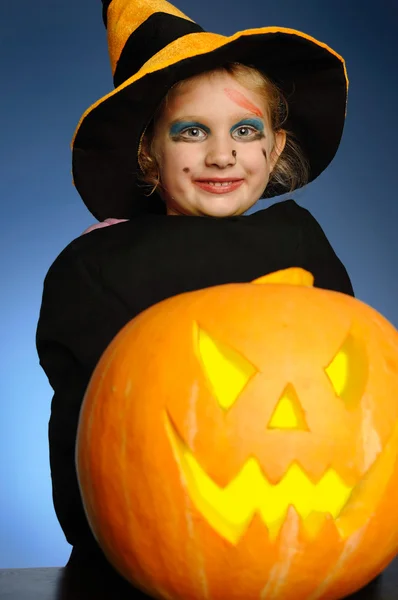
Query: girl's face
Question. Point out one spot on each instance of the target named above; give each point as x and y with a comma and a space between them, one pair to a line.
215, 130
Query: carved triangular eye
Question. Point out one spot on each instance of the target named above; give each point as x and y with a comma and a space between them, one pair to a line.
348, 371
226, 370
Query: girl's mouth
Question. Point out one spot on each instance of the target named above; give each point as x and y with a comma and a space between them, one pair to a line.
219, 187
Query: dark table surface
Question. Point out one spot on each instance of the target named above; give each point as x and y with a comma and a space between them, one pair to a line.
96, 582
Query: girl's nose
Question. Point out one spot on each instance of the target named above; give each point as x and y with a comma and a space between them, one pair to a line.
221, 153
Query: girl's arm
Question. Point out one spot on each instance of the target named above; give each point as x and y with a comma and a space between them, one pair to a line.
78, 319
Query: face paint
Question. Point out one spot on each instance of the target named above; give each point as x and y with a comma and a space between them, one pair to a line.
177, 128
183, 143
255, 123
242, 101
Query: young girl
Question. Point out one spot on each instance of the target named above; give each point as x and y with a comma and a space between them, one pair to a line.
199, 125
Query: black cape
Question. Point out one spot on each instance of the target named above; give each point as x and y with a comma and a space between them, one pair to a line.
106, 277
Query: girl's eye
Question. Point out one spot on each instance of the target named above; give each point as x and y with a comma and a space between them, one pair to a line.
246, 131
195, 131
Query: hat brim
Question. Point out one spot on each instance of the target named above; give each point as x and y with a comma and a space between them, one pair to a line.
311, 75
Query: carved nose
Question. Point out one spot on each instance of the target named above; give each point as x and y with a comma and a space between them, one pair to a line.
288, 413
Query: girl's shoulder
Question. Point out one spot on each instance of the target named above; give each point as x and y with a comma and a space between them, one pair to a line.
86, 245
284, 208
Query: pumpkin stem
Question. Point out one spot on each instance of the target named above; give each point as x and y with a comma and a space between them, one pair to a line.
293, 276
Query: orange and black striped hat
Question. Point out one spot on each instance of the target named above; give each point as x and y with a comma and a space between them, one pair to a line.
152, 46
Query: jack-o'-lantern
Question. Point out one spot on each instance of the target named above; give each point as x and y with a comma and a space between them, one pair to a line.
240, 442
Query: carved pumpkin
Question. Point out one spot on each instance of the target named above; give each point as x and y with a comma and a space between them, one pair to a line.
240, 442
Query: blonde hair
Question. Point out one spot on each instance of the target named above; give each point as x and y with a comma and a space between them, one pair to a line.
291, 170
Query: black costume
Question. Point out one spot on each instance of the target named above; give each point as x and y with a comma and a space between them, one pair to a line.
105, 278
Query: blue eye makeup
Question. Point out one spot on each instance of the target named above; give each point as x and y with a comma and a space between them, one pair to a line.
257, 123
177, 128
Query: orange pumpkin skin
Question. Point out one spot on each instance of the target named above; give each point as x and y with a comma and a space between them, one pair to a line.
321, 397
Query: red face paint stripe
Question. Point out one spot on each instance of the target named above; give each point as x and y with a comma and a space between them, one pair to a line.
242, 101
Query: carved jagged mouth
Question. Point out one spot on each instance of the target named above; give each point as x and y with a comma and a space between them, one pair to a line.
229, 510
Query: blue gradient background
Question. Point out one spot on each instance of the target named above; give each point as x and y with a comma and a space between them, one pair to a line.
54, 64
